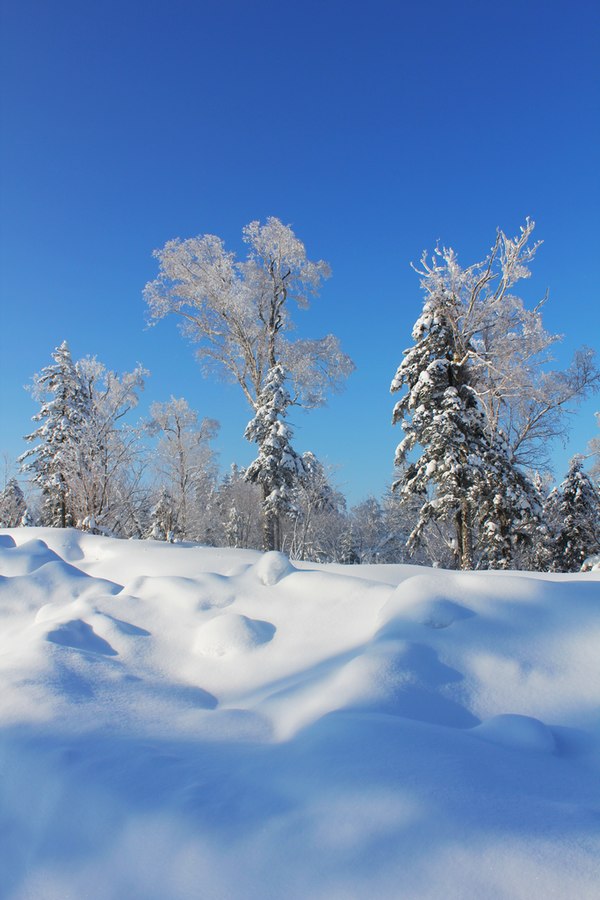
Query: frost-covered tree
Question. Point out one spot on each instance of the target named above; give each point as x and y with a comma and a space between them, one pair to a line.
106, 462
578, 519
462, 472
237, 312
595, 452
238, 507
277, 467
509, 351
13, 507
163, 518
63, 413
368, 530
313, 531
86, 461
509, 512
184, 462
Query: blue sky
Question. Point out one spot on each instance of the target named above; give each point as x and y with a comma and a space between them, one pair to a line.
374, 129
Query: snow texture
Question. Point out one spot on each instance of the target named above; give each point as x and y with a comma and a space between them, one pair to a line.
181, 722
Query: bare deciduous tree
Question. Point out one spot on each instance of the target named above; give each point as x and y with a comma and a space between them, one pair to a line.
185, 461
238, 312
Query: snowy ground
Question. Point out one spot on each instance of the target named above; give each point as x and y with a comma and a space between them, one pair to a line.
180, 722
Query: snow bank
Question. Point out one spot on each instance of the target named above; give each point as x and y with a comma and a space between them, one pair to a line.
178, 721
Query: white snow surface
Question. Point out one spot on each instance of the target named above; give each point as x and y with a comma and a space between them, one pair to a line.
186, 722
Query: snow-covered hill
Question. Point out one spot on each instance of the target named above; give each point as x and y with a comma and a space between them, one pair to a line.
182, 722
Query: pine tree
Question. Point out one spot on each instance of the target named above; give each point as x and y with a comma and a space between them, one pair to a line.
578, 512
13, 508
277, 466
63, 413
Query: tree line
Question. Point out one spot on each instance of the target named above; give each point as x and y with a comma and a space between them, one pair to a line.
480, 405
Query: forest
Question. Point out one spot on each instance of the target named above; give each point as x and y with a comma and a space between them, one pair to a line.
479, 406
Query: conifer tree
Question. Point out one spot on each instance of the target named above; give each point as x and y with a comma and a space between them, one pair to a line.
578, 515
163, 518
463, 473
13, 508
277, 466
63, 413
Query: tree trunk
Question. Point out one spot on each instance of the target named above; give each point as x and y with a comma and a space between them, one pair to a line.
270, 527
464, 537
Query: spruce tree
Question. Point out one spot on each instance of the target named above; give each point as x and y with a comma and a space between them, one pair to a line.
578, 518
13, 508
463, 474
63, 413
277, 466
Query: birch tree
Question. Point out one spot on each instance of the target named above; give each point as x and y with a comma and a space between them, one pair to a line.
238, 312
184, 462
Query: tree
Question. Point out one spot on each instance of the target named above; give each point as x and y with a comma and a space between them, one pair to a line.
319, 514
277, 467
595, 452
185, 461
509, 512
463, 470
507, 347
105, 462
578, 519
63, 413
13, 508
163, 518
238, 312
85, 460
238, 504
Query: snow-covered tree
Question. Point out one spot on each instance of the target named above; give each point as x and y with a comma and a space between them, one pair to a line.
508, 349
578, 519
313, 531
509, 512
87, 463
238, 312
164, 524
185, 462
238, 507
13, 507
63, 413
462, 473
277, 467
595, 452
106, 461
368, 530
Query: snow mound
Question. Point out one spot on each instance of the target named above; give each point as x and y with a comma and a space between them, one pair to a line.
206, 591
519, 732
272, 567
230, 634
352, 731
78, 635
25, 559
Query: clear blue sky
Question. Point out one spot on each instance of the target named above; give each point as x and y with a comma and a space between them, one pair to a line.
373, 128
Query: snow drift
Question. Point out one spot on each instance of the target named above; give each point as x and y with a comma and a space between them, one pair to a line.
178, 722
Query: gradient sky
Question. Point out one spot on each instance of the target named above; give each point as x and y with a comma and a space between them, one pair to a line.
374, 129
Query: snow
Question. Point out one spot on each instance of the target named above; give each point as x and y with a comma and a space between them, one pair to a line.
179, 721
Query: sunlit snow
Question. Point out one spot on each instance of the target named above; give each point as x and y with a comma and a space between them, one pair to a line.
186, 722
